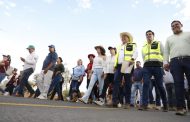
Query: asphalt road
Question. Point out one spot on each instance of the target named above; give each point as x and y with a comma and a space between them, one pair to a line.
13, 109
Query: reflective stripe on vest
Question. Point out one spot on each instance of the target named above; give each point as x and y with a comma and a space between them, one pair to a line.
152, 54
127, 54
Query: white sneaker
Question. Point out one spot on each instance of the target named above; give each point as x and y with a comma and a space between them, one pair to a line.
100, 103
101, 99
119, 105
42, 97
6, 94
68, 98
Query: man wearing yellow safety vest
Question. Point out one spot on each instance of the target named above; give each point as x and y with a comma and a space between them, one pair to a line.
152, 53
126, 52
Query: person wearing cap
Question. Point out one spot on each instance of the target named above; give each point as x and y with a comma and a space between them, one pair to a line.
45, 78
28, 68
89, 68
152, 54
89, 74
126, 52
4, 65
177, 49
109, 75
98, 70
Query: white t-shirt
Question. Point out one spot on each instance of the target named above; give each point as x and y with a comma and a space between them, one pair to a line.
168, 78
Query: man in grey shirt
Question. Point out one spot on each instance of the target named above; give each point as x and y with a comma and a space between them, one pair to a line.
177, 48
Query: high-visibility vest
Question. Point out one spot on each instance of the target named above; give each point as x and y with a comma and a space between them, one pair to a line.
152, 52
129, 49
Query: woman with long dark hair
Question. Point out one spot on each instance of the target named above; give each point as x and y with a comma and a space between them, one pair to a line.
57, 80
98, 70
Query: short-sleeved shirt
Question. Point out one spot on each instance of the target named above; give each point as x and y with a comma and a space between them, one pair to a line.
138, 74
5, 67
51, 58
89, 67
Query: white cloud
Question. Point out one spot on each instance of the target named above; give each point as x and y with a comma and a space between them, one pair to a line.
1, 3
185, 11
7, 7
49, 1
182, 5
11, 4
135, 3
86, 4
7, 14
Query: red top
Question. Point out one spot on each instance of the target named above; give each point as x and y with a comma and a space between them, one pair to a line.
2, 69
89, 67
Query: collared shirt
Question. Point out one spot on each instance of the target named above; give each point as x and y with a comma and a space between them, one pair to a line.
168, 78
176, 46
110, 60
79, 71
30, 61
121, 54
138, 74
51, 58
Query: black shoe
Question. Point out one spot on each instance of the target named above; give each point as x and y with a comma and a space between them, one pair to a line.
143, 108
131, 105
126, 106
165, 108
114, 106
171, 109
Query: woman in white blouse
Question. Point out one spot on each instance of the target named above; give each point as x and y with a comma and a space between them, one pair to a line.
98, 70
109, 75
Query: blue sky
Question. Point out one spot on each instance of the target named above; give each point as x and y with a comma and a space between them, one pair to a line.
76, 26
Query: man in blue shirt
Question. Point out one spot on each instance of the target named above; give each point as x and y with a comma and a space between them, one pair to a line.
44, 80
137, 79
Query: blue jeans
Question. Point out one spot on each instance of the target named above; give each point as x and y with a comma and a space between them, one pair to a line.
2, 76
55, 87
157, 72
171, 94
116, 84
151, 97
74, 85
96, 76
178, 67
137, 85
24, 82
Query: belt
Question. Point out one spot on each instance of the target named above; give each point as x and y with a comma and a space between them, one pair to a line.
181, 57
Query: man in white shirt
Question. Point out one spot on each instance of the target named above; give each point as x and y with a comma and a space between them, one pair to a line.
125, 57
177, 49
29, 67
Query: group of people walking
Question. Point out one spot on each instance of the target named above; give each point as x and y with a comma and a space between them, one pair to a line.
117, 75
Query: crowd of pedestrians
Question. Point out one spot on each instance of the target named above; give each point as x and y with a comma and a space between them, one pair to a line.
160, 82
